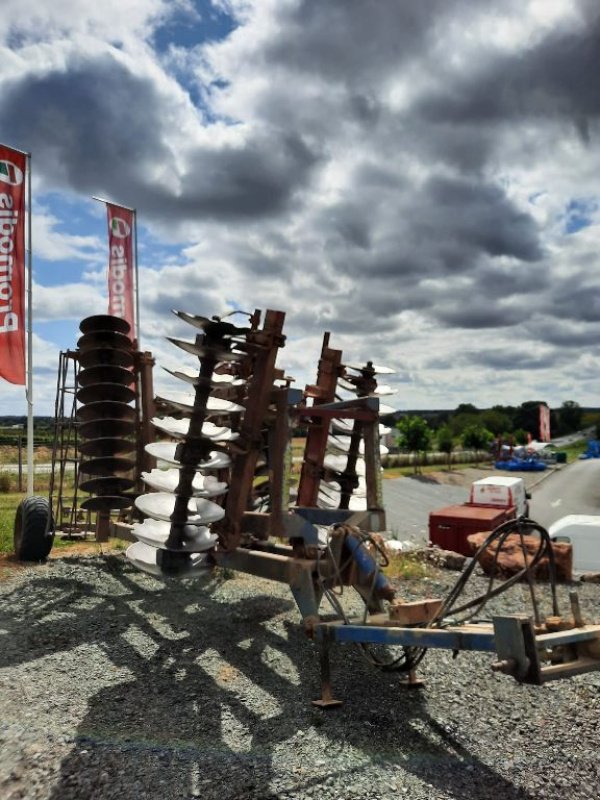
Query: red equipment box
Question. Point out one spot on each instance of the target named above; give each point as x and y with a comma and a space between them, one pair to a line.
450, 526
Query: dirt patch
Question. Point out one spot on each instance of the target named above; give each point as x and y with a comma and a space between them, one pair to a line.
9, 564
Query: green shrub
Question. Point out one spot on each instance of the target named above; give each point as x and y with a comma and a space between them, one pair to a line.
5, 482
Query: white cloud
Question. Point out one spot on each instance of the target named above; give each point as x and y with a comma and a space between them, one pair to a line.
399, 174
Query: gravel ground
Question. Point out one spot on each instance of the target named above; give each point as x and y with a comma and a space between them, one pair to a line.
115, 685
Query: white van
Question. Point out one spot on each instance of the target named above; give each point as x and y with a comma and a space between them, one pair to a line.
502, 491
583, 533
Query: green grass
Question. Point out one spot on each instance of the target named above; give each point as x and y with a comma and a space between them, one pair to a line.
8, 508
574, 450
401, 472
407, 566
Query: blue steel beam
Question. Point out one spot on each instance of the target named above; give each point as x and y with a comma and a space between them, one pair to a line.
449, 639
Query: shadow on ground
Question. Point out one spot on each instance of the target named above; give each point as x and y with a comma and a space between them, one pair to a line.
218, 702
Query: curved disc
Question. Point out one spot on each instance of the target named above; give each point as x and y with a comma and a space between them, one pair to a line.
385, 409
179, 428
202, 351
165, 451
106, 409
160, 505
377, 369
95, 339
111, 485
105, 373
104, 322
105, 391
106, 355
166, 480
155, 533
107, 466
338, 464
107, 503
341, 445
145, 558
203, 323
107, 429
106, 446
190, 375
185, 402
345, 426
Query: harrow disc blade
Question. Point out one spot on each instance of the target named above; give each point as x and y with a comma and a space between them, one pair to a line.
203, 323
106, 428
145, 558
104, 322
190, 375
105, 373
160, 505
97, 339
165, 451
107, 503
167, 480
106, 409
115, 392
338, 464
107, 466
106, 446
377, 369
106, 355
179, 429
154, 533
112, 485
184, 401
202, 351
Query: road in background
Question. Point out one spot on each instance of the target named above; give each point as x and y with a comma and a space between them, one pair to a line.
575, 489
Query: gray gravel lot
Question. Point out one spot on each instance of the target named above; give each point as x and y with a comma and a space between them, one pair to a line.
115, 685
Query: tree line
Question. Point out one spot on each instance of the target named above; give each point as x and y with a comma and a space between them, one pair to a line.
475, 429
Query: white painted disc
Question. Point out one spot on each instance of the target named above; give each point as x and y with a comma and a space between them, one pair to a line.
192, 375
185, 401
338, 464
179, 428
144, 558
155, 533
166, 480
165, 451
377, 368
160, 505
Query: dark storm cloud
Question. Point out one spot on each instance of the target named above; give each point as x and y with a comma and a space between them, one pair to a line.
481, 216
511, 359
562, 333
355, 41
578, 301
103, 130
505, 359
448, 227
478, 312
555, 78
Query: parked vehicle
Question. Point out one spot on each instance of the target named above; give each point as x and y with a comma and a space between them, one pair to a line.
501, 490
582, 531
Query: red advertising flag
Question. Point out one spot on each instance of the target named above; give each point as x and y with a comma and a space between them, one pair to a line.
120, 263
13, 165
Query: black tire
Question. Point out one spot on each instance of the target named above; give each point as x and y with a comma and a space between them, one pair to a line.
34, 529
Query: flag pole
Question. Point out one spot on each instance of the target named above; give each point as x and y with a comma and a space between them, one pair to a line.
137, 282
29, 336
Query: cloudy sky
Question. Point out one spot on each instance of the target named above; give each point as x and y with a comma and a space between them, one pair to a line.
419, 178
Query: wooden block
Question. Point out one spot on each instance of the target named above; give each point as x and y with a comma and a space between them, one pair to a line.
415, 612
